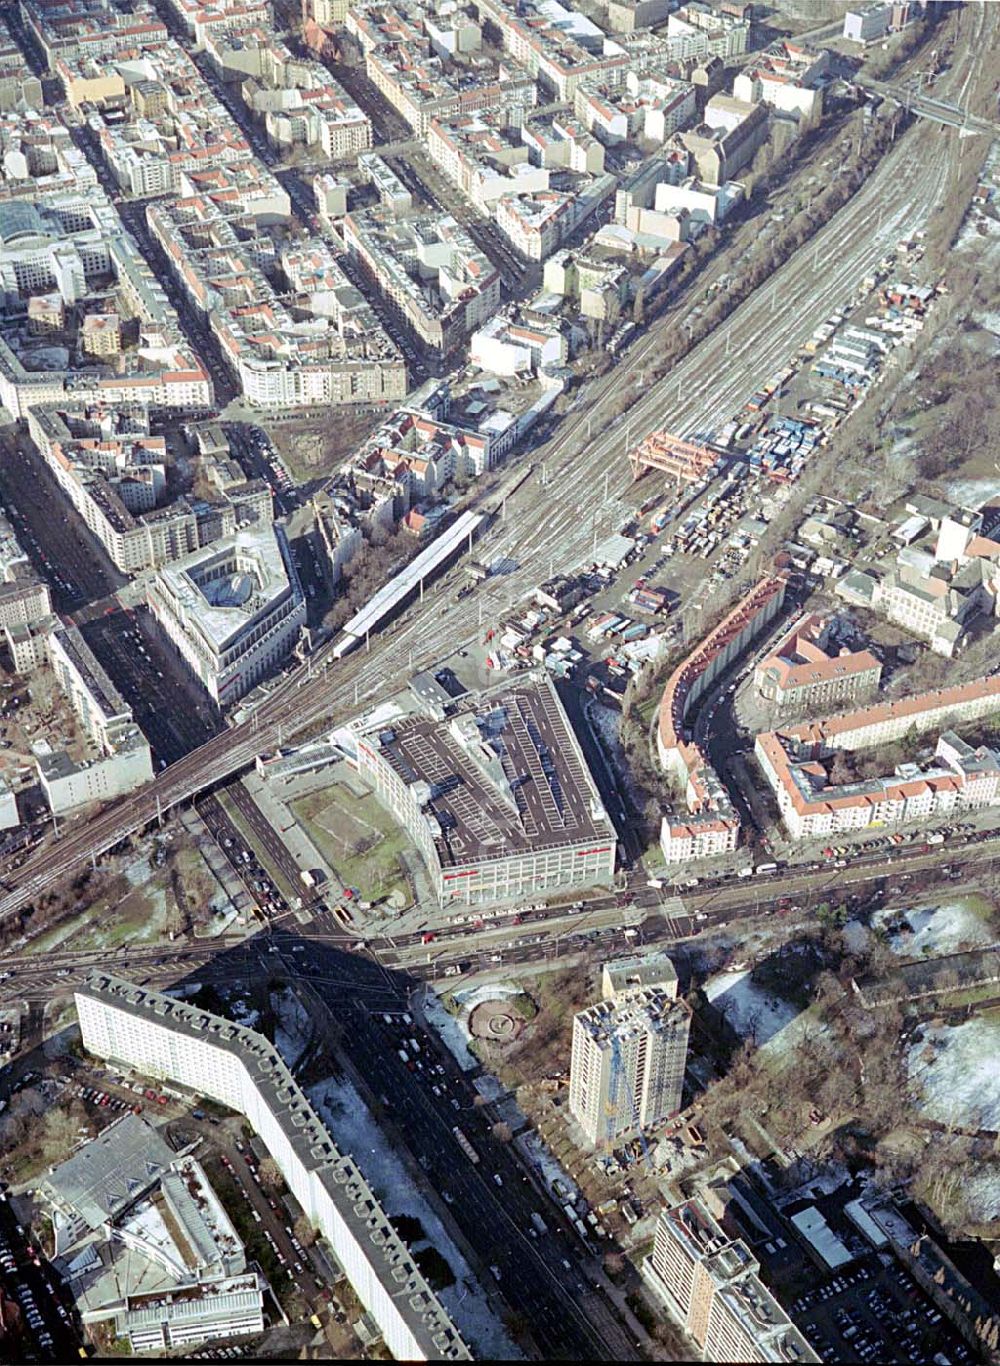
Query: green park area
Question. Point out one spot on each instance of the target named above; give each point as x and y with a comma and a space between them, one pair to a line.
358, 838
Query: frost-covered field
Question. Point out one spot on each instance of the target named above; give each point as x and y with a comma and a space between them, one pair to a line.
955, 1067
934, 929
750, 1010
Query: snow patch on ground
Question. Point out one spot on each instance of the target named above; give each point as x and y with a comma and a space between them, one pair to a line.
956, 1069
855, 936
355, 1131
292, 1033
933, 929
982, 1192
450, 1030
137, 872
973, 493
541, 1157
240, 1013
470, 997
749, 1009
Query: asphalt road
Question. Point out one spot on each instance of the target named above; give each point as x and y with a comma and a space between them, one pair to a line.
542, 1280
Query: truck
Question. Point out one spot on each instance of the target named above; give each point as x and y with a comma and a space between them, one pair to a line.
766, 868
307, 878
539, 1223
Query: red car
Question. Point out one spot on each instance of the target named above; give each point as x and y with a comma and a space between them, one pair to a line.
427, 938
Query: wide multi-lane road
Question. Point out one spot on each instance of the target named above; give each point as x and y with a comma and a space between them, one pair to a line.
556, 522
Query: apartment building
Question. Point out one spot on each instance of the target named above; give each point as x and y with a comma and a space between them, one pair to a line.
506, 347
787, 76
233, 610
537, 224
625, 16
867, 23
711, 824
200, 19
557, 45
645, 971
524, 816
439, 282
125, 760
808, 669
18, 83
23, 601
162, 1037
699, 29
938, 601
728, 140
601, 286
711, 1286
627, 1064
648, 106
793, 761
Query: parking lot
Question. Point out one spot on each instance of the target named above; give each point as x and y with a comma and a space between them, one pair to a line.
876, 1313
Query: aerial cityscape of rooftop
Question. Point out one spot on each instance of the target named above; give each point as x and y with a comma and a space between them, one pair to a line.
500, 680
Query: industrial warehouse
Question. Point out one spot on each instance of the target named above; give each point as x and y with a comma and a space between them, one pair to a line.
493, 789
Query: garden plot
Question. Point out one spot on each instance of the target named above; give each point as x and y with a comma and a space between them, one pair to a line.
954, 1069
935, 930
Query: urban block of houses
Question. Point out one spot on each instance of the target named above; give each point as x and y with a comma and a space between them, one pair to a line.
90, 28
711, 824
810, 668
795, 762
67, 244
114, 473
429, 269
423, 85
648, 106
787, 76
19, 86
337, 353
298, 100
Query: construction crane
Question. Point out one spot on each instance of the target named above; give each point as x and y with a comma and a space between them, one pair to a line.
611, 1107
